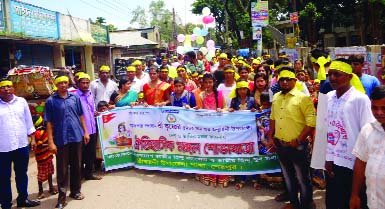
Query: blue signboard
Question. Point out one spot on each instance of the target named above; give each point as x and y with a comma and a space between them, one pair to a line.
2, 23
33, 21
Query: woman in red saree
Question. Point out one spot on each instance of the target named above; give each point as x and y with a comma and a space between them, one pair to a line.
156, 92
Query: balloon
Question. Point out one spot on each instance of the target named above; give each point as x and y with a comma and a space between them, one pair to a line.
211, 48
204, 32
203, 50
206, 11
187, 44
210, 43
197, 31
210, 19
193, 37
206, 20
200, 40
209, 57
180, 38
187, 38
180, 50
211, 53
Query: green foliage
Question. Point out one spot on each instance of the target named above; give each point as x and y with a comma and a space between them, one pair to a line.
100, 20
139, 16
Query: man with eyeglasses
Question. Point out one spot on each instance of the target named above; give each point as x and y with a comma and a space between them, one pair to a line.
292, 120
368, 81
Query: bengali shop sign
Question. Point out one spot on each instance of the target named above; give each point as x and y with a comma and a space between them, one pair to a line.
33, 21
180, 140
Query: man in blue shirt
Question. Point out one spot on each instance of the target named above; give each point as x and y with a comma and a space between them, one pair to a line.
368, 81
66, 129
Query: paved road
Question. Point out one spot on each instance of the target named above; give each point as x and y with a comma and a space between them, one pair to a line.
140, 189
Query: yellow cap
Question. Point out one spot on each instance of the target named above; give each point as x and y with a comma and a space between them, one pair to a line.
6, 83
104, 68
256, 61
84, 75
131, 69
78, 73
141, 95
136, 62
223, 56
60, 79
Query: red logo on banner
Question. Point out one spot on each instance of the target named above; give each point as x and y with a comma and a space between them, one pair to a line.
107, 118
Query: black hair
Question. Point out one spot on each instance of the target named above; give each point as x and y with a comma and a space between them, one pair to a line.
283, 61
215, 90
264, 97
343, 60
153, 67
243, 68
181, 66
122, 82
267, 69
316, 53
357, 58
269, 62
102, 104
378, 93
179, 80
191, 55
163, 67
265, 77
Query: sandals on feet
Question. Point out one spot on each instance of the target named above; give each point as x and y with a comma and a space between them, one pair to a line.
77, 196
53, 191
41, 196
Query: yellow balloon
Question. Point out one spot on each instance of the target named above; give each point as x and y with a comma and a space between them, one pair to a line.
188, 38
199, 40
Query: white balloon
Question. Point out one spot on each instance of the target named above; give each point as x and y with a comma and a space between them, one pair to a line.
206, 11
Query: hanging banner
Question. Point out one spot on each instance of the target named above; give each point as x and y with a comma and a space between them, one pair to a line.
260, 13
257, 33
181, 140
294, 17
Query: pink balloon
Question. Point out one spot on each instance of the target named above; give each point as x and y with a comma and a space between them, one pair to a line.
210, 44
210, 19
193, 37
206, 19
180, 38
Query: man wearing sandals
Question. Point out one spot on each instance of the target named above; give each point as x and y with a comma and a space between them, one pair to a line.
66, 129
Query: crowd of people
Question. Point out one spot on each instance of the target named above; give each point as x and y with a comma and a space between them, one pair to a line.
337, 118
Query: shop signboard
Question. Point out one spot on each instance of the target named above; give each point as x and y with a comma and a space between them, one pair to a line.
100, 33
2, 23
33, 21
260, 13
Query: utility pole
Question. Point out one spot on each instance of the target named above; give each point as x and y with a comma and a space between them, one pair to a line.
173, 29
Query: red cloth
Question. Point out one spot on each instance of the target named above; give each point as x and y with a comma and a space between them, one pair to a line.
44, 170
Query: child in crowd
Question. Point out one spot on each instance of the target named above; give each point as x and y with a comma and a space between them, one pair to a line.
241, 99
101, 107
181, 97
43, 156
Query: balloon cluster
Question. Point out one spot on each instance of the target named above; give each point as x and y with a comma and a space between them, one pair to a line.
198, 36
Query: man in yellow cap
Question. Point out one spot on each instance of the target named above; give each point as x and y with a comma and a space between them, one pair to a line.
348, 110
103, 87
219, 75
136, 84
88, 103
16, 126
292, 120
139, 73
67, 131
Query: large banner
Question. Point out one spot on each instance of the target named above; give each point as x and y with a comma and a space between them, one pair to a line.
181, 140
260, 13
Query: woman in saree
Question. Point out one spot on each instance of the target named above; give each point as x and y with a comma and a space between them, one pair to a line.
124, 96
156, 92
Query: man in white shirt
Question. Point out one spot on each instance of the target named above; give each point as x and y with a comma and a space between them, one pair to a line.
103, 87
370, 163
140, 74
16, 126
229, 83
136, 84
348, 110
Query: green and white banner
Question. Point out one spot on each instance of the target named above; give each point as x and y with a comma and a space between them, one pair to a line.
181, 140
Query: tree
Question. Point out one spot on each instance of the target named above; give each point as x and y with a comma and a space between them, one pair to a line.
112, 27
139, 16
100, 20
